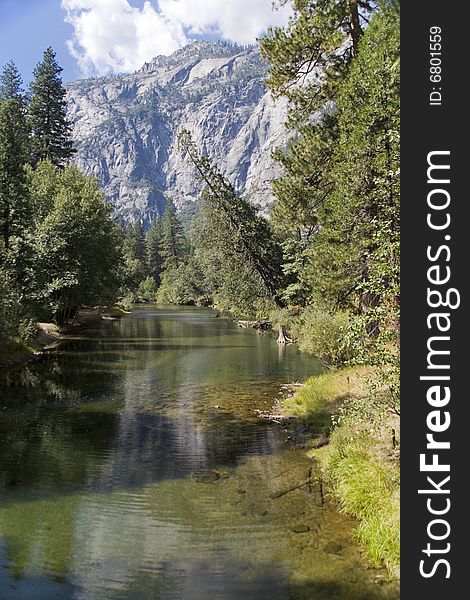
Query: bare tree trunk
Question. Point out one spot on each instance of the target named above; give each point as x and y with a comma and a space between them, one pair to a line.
355, 25
282, 337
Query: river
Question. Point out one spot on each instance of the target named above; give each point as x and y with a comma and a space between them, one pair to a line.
133, 467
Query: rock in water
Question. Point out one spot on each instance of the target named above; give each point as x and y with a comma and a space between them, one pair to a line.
208, 477
300, 528
333, 548
125, 127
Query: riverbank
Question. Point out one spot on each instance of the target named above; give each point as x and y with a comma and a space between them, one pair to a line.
16, 352
355, 442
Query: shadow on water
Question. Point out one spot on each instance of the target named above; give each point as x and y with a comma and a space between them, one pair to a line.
107, 452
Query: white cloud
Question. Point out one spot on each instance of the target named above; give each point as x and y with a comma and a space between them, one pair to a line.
112, 36
236, 20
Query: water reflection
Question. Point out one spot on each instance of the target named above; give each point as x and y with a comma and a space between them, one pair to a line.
104, 448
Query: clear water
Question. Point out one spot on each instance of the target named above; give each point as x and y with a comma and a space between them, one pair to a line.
132, 466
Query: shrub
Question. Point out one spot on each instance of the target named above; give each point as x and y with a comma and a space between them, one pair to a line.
147, 290
127, 299
181, 285
285, 317
10, 308
333, 338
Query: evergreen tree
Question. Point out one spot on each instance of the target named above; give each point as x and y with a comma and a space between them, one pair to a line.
11, 84
309, 60
14, 153
153, 242
355, 258
136, 242
51, 132
135, 256
306, 183
226, 274
173, 240
355, 255
310, 56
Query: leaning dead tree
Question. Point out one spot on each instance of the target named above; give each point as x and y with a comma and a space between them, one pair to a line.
250, 231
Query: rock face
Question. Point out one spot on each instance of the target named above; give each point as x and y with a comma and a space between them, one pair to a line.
126, 127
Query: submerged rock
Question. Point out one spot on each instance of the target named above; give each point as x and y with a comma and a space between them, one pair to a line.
208, 477
300, 528
333, 548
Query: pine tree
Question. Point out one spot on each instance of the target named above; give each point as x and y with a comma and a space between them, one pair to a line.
51, 132
173, 240
322, 37
137, 246
154, 253
135, 256
355, 257
300, 192
11, 83
309, 60
14, 153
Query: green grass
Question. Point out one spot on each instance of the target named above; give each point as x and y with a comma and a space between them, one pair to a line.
363, 473
321, 395
368, 487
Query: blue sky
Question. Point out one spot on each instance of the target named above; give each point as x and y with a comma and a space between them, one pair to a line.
100, 37
27, 28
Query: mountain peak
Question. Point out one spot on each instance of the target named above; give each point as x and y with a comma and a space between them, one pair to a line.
126, 127
196, 50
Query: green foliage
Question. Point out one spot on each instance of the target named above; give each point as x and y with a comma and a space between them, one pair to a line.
309, 60
311, 403
51, 132
173, 247
154, 251
336, 212
136, 242
328, 336
10, 310
322, 37
148, 256
368, 488
234, 245
283, 317
14, 153
43, 186
15, 207
147, 290
59, 247
135, 257
182, 285
188, 213
76, 245
300, 191
355, 258
227, 277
